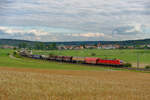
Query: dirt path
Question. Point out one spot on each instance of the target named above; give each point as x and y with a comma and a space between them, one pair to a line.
12, 57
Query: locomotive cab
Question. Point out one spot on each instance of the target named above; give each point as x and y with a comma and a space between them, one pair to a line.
121, 62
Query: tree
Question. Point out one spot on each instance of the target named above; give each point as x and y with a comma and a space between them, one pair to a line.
15, 48
40, 46
22, 45
52, 46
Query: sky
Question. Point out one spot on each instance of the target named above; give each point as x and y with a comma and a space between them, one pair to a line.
75, 20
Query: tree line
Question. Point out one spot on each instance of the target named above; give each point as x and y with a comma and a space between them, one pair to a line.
38, 46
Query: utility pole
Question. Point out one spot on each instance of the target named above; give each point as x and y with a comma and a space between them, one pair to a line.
138, 60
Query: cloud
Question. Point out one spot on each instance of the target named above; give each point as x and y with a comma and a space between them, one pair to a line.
44, 34
12, 31
136, 28
76, 17
89, 35
132, 29
19, 33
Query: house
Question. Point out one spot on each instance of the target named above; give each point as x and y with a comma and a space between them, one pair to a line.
7, 47
108, 47
99, 46
63, 47
90, 47
60, 47
68, 47
130, 47
77, 48
148, 45
117, 46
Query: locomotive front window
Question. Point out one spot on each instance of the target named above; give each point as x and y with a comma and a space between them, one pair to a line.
121, 61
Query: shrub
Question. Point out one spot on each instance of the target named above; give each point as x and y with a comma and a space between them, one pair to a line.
93, 54
147, 67
128, 65
51, 54
14, 53
15, 48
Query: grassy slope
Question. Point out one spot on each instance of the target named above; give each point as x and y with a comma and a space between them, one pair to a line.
126, 55
6, 61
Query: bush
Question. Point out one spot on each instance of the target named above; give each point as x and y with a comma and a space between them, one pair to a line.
15, 48
51, 54
147, 67
128, 65
93, 54
14, 53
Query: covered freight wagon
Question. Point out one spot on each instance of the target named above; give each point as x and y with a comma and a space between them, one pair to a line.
59, 58
45, 57
67, 58
51, 57
78, 59
90, 60
36, 56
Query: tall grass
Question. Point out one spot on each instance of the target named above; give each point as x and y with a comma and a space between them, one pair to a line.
38, 86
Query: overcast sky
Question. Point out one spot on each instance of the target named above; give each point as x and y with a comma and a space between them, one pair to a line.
74, 20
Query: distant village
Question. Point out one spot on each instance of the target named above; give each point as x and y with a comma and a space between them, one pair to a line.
79, 47
99, 46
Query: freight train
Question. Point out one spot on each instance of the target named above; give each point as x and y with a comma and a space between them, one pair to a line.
81, 60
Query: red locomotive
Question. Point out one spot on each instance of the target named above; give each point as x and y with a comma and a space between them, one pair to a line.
99, 61
110, 62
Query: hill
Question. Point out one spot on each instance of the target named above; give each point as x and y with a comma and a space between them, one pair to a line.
14, 42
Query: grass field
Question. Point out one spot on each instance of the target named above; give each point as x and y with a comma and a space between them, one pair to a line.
7, 61
125, 55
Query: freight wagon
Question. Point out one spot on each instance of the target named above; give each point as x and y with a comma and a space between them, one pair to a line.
51, 57
78, 60
59, 58
67, 58
90, 60
44, 57
36, 56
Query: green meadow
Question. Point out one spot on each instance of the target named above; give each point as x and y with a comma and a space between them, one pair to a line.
125, 55
21, 62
